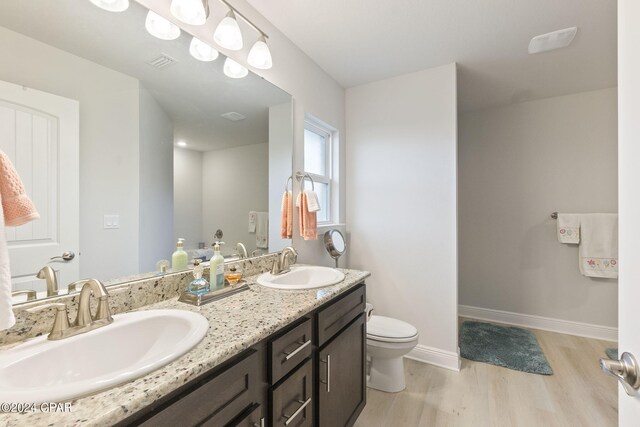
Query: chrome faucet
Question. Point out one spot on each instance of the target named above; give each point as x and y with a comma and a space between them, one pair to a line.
84, 322
242, 250
47, 273
281, 264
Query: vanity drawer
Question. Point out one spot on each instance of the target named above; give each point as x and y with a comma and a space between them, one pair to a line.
339, 314
216, 401
292, 400
289, 350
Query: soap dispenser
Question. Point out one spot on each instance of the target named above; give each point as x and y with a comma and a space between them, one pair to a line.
179, 259
199, 285
216, 267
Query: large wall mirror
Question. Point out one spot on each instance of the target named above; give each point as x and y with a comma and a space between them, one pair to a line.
126, 143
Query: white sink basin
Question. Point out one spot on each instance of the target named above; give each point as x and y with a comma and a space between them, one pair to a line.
302, 277
132, 346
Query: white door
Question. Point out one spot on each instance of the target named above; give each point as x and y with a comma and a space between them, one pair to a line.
40, 134
629, 195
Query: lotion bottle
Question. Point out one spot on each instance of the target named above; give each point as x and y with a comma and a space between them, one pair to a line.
179, 259
216, 267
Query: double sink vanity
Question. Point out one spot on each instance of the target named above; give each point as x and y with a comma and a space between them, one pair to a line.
289, 351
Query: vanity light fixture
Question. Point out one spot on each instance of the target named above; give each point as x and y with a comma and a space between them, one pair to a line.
192, 12
228, 34
202, 51
112, 5
160, 27
234, 70
259, 55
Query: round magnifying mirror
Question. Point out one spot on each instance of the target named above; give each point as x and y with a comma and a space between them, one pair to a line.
335, 243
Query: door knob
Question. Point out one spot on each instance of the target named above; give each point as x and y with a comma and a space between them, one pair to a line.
625, 370
66, 256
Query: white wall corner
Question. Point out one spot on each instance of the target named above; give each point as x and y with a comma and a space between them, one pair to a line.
435, 356
569, 327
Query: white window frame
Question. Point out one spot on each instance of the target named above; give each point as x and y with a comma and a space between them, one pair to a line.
319, 128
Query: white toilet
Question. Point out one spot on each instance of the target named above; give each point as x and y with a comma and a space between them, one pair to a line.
387, 341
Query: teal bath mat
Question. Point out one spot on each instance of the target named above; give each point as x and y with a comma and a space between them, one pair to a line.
506, 346
612, 353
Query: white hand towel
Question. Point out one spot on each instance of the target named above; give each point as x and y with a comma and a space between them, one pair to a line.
312, 201
252, 222
262, 230
7, 318
598, 251
569, 228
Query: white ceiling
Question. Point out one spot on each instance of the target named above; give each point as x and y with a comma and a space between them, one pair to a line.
193, 93
360, 41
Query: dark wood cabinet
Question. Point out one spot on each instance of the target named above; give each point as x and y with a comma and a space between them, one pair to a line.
309, 373
342, 391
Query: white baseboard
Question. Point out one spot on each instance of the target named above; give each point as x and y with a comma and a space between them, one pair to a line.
435, 356
538, 322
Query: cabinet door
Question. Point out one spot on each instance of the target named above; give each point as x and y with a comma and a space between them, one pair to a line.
342, 388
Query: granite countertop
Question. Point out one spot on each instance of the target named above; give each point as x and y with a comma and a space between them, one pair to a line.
236, 323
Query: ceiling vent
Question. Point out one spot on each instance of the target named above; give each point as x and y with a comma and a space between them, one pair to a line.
233, 116
162, 61
553, 40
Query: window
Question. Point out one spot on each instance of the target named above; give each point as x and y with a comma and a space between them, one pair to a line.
317, 163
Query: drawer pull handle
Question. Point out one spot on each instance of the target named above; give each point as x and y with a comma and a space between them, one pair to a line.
295, 414
328, 381
261, 423
302, 346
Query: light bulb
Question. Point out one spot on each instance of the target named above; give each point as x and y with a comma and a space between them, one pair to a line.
160, 27
112, 5
259, 55
193, 12
202, 51
228, 33
234, 70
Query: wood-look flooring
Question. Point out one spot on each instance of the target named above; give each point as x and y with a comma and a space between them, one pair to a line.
577, 394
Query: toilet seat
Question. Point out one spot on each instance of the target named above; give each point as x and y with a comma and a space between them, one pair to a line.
387, 329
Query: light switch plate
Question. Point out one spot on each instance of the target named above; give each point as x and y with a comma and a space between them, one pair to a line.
111, 222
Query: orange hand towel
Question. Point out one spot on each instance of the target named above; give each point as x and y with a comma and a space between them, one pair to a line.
308, 222
17, 207
286, 228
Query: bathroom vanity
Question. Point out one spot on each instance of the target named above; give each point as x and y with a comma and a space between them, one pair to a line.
270, 357
312, 369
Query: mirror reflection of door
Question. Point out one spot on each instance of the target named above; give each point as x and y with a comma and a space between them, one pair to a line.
39, 132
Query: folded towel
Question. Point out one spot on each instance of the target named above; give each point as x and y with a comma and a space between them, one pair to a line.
569, 228
312, 201
252, 221
17, 209
308, 222
286, 226
598, 251
262, 230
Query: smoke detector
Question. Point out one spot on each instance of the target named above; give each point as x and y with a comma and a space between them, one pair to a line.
233, 116
553, 40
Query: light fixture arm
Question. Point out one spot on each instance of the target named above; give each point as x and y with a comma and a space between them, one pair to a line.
247, 20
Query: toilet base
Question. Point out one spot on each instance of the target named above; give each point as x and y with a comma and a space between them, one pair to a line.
387, 374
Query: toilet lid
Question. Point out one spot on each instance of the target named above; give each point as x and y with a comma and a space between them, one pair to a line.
386, 327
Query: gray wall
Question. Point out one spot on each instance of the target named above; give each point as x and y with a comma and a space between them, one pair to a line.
156, 183
517, 164
187, 207
234, 182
